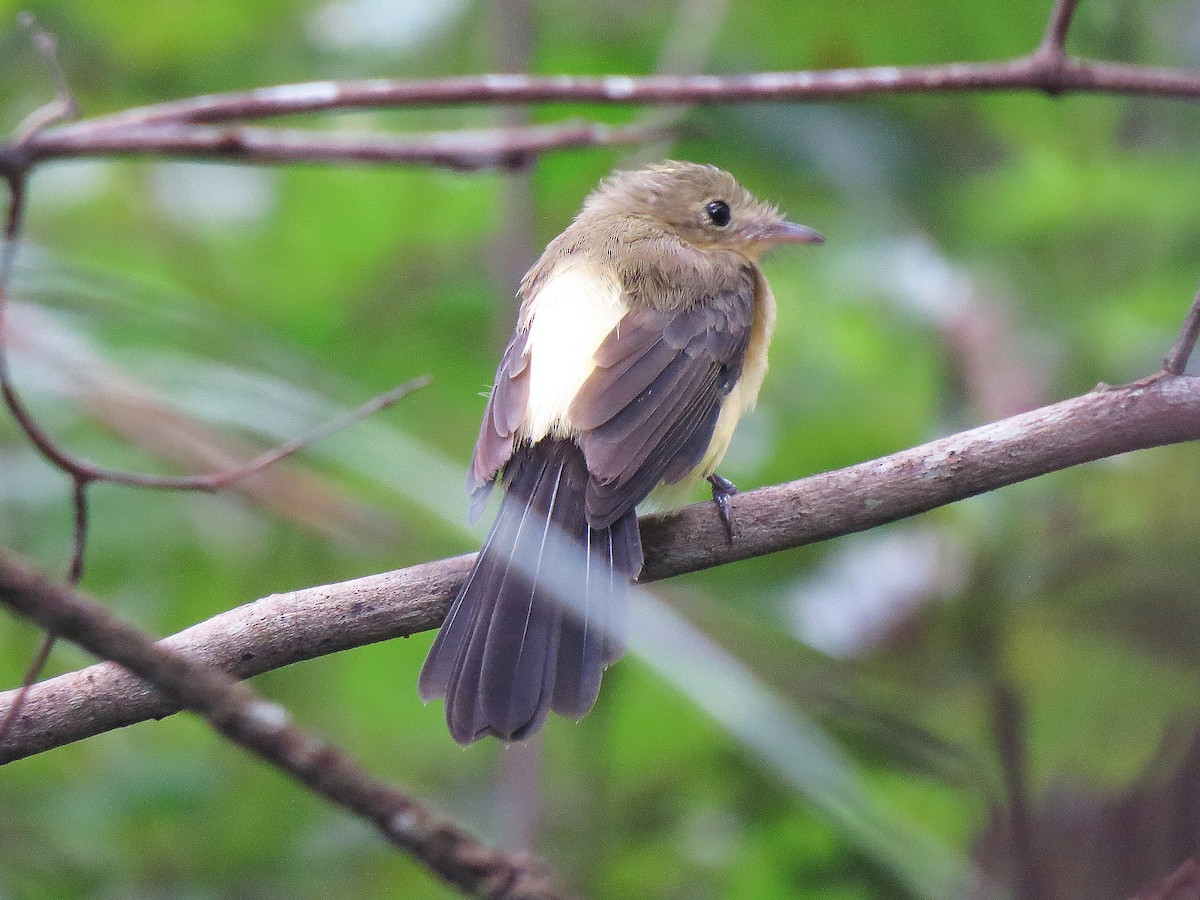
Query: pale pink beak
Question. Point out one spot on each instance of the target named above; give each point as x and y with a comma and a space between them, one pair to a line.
791, 233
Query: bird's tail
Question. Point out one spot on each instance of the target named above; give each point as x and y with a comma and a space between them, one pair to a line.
543, 611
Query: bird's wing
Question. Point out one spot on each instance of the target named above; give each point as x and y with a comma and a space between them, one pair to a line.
503, 416
648, 411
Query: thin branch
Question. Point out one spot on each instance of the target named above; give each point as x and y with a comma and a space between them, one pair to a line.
1008, 726
87, 472
288, 628
220, 480
32, 673
1060, 23
1050, 60
74, 575
79, 533
264, 728
45, 445
173, 128
496, 148
1019, 74
1181, 351
1148, 413
64, 105
16, 180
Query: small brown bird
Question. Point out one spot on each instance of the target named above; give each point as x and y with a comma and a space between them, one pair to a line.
641, 340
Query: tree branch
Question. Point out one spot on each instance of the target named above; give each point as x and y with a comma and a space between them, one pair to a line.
1060, 23
264, 728
177, 128
63, 107
1181, 351
1019, 74
496, 148
288, 628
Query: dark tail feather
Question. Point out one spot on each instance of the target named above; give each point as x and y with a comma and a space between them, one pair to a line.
510, 650
596, 638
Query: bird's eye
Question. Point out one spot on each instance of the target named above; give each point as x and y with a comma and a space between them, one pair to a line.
718, 212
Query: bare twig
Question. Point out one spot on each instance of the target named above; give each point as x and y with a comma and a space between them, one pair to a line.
84, 472
1020, 74
1060, 23
287, 628
1050, 62
16, 180
1148, 413
172, 128
264, 728
63, 106
496, 148
217, 481
32, 673
1008, 725
1181, 351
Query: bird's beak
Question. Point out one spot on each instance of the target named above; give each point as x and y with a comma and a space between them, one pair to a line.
791, 233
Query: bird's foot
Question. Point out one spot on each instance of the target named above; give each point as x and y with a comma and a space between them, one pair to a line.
722, 490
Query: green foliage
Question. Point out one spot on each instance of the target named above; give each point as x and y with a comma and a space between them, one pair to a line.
1066, 226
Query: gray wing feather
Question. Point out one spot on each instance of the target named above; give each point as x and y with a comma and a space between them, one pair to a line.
648, 411
501, 418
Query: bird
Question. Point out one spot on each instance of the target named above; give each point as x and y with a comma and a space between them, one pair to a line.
641, 340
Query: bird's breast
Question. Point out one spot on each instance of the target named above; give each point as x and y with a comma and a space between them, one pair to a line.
744, 394
572, 312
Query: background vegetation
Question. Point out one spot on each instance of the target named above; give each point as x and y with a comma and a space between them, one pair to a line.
985, 254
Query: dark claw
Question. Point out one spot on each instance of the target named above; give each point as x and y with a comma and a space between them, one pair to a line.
722, 490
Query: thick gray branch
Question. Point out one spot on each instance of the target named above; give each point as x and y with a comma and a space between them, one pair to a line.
287, 628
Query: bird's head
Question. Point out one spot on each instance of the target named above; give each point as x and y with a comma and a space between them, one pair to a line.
702, 205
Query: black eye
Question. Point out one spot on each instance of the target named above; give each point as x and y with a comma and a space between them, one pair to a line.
718, 212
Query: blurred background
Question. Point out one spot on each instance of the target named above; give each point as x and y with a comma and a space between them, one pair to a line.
1007, 690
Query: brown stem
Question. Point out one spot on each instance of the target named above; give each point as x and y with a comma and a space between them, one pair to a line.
1020, 74
1181, 351
265, 729
1008, 728
64, 105
86, 472
79, 532
497, 148
1059, 25
287, 628
63, 108
32, 673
